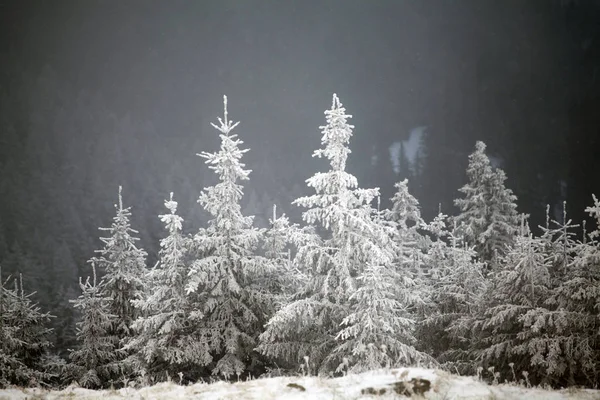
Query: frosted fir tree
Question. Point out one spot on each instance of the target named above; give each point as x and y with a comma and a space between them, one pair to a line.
405, 209
94, 362
488, 215
167, 343
310, 326
11, 368
580, 296
519, 288
457, 289
405, 216
24, 343
277, 237
562, 336
405, 213
437, 235
124, 267
229, 278
379, 332
559, 243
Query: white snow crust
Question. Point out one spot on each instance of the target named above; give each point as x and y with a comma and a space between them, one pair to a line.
443, 386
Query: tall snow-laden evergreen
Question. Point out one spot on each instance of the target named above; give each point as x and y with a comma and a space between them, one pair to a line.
229, 277
123, 264
488, 215
167, 342
94, 363
328, 321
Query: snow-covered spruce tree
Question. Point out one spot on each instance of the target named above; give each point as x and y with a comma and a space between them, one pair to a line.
559, 243
521, 286
94, 363
276, 245
330, 323
562, 336
457, 289
124, 270
11, 368
405, 209
24, 344
167, 342
379, 332
488, 215
229, 277
405, 217
436, 262
580, 295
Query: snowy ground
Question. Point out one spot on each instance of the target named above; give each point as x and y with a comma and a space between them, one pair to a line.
363, 386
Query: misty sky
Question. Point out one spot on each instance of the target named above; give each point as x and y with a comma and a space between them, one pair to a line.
509, 73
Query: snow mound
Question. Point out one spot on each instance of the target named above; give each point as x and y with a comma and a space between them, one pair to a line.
383, 384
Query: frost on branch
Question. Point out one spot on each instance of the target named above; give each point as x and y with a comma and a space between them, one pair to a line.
167, 342
328, 318
94, 362
124, 268
24, 344
228, 276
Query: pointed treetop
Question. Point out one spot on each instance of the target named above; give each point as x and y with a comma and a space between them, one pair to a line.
336, 135
93, 272
171, 204
226, 126
225, 108
480, 146
120, 198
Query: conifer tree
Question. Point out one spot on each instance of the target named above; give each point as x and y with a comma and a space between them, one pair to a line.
24, 343
457, 289
405, 216
562, 334
488, 215
540, 316
94, 363
229, 277
518, 289
405, 209
123, 264
167, 343
328, 318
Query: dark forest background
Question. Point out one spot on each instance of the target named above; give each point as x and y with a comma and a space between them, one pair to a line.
97, 94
